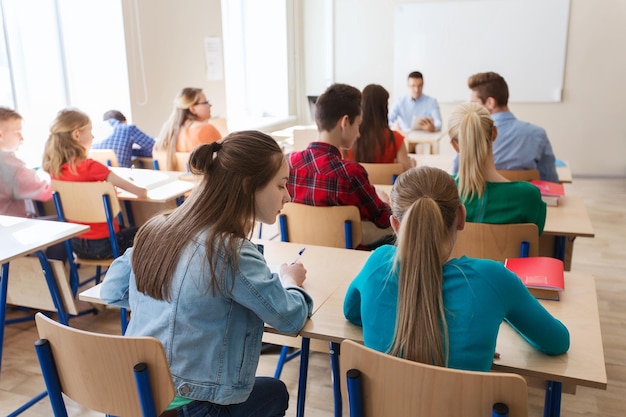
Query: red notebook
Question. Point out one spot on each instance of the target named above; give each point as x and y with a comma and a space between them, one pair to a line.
550, 191
543, 276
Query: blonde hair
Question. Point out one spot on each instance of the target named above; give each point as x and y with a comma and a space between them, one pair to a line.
168, 137
61, 147
471, 126
425, 200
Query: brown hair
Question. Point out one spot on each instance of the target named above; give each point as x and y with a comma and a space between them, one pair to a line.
337, 101
61, 147
168, 137
471, 126
425, 200
374, 132
8, 114
489, 84
222, 205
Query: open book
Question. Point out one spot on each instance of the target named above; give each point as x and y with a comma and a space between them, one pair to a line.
543, 276
550, 191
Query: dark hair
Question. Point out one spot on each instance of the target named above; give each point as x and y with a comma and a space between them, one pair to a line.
222, 205
374, 131
416, 74
337, 101
489, 84
114, 114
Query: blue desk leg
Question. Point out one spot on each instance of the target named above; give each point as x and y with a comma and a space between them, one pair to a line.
552, 405
64, 317
304, 370
559, 247
3, 303
336, 376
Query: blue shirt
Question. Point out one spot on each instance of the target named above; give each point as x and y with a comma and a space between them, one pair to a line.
126, 141
478, 294
521, 145
405, 108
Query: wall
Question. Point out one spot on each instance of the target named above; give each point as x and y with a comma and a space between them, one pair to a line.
584, 128
165, 52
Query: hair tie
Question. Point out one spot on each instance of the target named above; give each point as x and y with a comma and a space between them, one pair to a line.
217, 146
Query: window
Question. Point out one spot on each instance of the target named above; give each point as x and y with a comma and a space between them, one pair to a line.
256, 62
67, 53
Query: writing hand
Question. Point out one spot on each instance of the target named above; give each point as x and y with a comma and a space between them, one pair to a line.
294, 274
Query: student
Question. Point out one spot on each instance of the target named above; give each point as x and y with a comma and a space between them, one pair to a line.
65, 158
520, 145
415, 302
488, 196
127, 141
415, 104
318, 175
377, 143
211, 291
17, 182
188, 125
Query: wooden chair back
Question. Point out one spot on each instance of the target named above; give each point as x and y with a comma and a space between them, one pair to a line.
519, 174
162, 162
496, 241
28, 286
104, 156
383, 173
323, 226
82, 201
96, 370
391, 386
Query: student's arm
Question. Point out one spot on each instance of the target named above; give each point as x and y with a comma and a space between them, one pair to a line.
286, 308
370, 205
114, 289
28, 185
403, 155
537, 208
547, 162
352, 304
144, 141
127, 185
528, 317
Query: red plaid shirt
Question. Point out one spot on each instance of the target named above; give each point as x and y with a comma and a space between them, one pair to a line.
319, 177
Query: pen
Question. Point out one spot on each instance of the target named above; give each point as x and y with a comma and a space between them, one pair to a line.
132, 169
299, 255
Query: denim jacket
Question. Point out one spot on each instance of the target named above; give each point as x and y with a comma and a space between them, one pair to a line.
212, 342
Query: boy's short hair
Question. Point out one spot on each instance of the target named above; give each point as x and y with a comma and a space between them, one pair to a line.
416, 74
337, 101
489, 84
114, 114
8, 114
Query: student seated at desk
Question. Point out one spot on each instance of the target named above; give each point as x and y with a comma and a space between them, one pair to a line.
320, 177
377, 143
65, 159
520, 145
414, 302
488, 196
209, 293
187, 127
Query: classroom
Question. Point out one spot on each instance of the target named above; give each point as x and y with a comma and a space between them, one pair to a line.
173, 44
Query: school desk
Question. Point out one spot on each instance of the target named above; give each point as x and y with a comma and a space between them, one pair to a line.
20, 237
416, 138
582, 365
165, 191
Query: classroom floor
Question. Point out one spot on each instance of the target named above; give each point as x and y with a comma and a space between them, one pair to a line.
603, 256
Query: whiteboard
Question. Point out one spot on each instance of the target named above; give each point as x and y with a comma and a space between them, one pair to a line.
525, 41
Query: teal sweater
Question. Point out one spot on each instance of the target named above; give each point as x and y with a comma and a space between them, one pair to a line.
508, 202
478, 294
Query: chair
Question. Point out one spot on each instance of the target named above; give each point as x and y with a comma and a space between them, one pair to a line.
383, 173
390, 386
221, 124
496, 241
335, 226
519, 174
88, 202
116, 375
161, 161
302, 137
104, 156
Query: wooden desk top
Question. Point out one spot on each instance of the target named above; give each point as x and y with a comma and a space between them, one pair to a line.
327, 268
20, 236
163, 186
423, 136
578, 309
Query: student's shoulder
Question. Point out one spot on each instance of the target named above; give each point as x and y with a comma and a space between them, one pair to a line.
525, 189
484, 268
